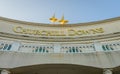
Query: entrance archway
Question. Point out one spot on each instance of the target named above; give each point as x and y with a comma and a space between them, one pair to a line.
56, 69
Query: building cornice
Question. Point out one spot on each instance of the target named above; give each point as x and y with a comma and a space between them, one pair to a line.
50, 39
58, 25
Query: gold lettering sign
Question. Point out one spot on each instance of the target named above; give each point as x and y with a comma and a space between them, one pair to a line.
67, 32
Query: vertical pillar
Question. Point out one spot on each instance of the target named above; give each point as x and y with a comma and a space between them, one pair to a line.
5, 72
57, 48
107, 71
98, 46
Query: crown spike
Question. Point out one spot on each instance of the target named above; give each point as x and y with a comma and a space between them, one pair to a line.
53, 19
63, 21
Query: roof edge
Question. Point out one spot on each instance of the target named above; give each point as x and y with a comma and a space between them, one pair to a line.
58, 25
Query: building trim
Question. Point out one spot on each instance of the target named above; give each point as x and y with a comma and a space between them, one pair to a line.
58, 25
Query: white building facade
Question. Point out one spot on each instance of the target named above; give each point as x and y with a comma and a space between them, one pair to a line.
35, 48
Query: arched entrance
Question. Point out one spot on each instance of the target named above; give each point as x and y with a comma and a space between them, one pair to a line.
56, 69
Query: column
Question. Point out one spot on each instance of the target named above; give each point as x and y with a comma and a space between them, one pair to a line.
57, 48
5, 72
98, 46
107, 71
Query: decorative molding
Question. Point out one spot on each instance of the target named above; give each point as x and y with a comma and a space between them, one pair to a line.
50, 39
59, 25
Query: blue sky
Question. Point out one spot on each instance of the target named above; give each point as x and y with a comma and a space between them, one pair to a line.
76, 11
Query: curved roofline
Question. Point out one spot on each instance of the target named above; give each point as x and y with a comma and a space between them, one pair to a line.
59, 25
